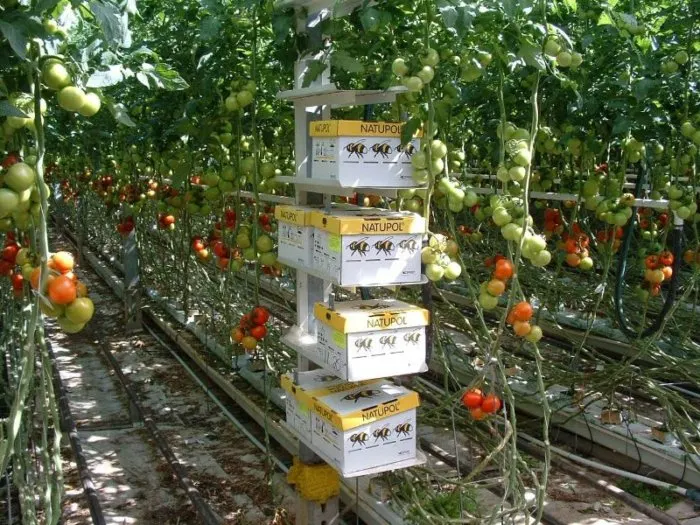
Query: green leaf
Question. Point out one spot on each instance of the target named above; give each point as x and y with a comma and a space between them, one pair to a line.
209, 28
114, 25
168, 78
44, 5
17, 37
316, 67
120, 114
605, 20
532, 55
282, 24
571, 4
457, 15
343, 60
7, 109
109, 77
372, 18
621, 126
409, 129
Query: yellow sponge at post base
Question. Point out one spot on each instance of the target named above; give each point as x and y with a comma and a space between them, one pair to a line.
316, 483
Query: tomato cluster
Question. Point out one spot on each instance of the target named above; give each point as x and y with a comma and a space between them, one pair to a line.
658, 268
481, 406
604, 237
553, 222
251, 328
126, 226
519, 318
492, 290
692, 257
8, 261
64, 298
576, 247
166, 221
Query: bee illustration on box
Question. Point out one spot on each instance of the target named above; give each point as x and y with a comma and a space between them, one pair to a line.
360, 437
364, 344
360, 247
383, 149
404, 429
385, 246
381, 433
409, 245
408, 150
356, 148
362, 394
375, 306
387, 340
412, 338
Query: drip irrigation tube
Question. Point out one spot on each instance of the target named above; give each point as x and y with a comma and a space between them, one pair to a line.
205, 512
68, 425
236, 422
677, 243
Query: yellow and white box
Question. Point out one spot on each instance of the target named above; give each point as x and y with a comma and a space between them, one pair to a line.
360, 340
314, 382
367, 426
362, 154
295, 233
364, 249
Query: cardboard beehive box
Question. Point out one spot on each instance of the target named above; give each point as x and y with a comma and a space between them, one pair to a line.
361, 249
371, 339
361, 154
367, 426
315, 382
295, 233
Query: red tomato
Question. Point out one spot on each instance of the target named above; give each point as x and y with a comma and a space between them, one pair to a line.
11, 159
260, 315
491, 404
9, 253
472, 398
259, 332
651, 262
666, 258
5, 267
17, 281
245, 322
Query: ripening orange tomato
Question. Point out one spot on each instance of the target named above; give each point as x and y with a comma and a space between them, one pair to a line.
491, 404
62, 290
63, 262
521, 328
667, 271
496, 287
249, 343
522, 311
504, 270
472, 398
478, 414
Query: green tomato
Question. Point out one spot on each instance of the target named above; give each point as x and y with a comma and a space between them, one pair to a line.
488, 301
564, 59
243, 240
681, 57
586, 263
452, 271
470, 199
434, 272
437, 166
20, 177
517, 173
55, 75
399, 67
541, 258
501, 216
91, 105
552, 47
413, 84
420, 176
9, 201
71, 98
687, 129
438, 149
430, 57
426, 74
502, 174
429, 255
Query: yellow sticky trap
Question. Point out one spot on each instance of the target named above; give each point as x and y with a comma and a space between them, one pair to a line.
314, 482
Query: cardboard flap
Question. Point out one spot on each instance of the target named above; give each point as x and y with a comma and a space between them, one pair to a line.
298, 215
366, 316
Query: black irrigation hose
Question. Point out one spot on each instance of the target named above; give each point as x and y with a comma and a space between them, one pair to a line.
677, 241
204, 510
68, 425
